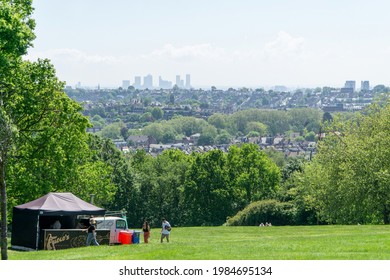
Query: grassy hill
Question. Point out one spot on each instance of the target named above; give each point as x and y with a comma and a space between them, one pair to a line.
365, 242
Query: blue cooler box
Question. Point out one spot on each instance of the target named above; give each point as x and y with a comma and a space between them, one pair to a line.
136, 237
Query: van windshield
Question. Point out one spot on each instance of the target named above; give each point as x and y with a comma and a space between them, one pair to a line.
121, 224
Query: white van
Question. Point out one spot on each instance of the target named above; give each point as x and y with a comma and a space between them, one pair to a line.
114, 224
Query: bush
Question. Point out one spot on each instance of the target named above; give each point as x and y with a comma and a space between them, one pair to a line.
272, 211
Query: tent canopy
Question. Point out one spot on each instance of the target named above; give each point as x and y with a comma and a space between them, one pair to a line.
30, 218
61, 204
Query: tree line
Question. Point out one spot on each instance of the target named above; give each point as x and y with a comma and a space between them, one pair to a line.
218, 128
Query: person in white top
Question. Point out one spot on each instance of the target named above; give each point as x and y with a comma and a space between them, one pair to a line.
166, 230
56, 225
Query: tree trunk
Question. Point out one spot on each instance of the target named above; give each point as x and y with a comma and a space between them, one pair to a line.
3, 192
386, 214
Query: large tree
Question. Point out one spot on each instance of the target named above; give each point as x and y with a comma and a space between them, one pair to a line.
349, 179
114, 180
50, 130
16, 35
208, 193
42, 131
253, 173
160, 182
46, 134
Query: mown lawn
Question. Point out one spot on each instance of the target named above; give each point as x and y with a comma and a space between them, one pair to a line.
363, 242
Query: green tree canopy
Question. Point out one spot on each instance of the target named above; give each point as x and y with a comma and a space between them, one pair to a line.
258, 127
253, 173
348, 180
157, 113
218, 120
113, 131
208, 195
16, 35
50, 133
16, 31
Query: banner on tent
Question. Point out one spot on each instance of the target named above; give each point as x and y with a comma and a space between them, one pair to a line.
55, 239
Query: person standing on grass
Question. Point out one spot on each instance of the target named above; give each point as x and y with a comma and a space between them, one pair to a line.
146, 230
166, 230
91, 237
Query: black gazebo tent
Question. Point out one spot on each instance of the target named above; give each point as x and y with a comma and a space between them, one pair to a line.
30, 218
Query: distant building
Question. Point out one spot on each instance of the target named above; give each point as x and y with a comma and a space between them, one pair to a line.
148, 81
137, 82
350, 84
188, 81
338, 107
119, 143
141, 140
179, 82
365, 86
164, 84
347, 90
125, 84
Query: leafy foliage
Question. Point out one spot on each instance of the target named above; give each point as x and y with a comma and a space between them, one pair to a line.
208, 195
264, 211
16, 31
159, 184
16, 35
51, 132
201, 189
348, 180
253, 173
219, 128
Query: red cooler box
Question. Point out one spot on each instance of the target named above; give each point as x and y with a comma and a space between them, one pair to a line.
125, 237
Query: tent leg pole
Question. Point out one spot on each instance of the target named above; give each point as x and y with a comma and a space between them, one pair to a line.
37, 240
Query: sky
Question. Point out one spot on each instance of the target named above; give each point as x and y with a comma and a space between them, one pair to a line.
222, 43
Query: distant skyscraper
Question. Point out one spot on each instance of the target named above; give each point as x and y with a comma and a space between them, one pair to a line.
148, 81
137, 82
179, 82
125, 84
350, 84
188, 81
164, 84
365, 86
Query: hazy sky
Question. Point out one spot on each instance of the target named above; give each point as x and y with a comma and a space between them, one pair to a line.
252, 43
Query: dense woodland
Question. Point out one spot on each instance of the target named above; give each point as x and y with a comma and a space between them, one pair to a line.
44, 147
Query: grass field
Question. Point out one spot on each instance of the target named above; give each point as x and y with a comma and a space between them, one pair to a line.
364, 242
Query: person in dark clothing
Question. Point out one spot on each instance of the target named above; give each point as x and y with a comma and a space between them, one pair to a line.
146, 230
91, 237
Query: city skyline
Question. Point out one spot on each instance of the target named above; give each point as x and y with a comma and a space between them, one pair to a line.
220, 43
348, 86
148, 82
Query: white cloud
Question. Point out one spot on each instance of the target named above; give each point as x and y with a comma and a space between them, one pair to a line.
72, 56
282, 47
189, 52
285, 45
